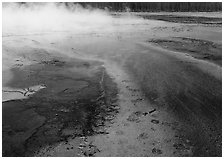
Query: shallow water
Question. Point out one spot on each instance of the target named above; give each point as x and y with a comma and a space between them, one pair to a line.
9, 93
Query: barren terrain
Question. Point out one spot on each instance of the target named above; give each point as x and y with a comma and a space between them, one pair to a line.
142, 87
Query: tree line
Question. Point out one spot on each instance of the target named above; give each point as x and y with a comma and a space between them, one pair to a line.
156, 6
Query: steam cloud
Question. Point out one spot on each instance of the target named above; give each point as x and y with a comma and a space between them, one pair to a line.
43, 17
26, 18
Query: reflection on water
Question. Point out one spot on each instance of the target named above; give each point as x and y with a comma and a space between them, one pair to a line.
9, 93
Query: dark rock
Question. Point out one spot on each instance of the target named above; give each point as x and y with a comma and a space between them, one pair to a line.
156, 151
179, 146
152, 111
143, 136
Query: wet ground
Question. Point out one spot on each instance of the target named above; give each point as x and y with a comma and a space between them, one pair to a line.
185, 19
212, 18
112, 93
200, 49
73, 103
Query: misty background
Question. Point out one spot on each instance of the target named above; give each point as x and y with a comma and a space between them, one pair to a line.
24, 18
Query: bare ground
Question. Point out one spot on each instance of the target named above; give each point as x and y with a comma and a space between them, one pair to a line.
185, 19
70, 105
110, 95
200, 49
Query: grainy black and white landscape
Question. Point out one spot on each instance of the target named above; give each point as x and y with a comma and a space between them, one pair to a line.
111, 79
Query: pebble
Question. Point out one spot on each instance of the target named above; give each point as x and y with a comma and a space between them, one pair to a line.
156, 151
155, 121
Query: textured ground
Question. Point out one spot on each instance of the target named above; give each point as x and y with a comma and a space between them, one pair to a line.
140, 88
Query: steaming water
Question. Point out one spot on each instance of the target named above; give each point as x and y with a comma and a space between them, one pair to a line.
37, 18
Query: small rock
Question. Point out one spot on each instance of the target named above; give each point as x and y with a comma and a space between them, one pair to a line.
152, 129
143, 136
152, 111
155, 121
179, 146
138, 113
156, 151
